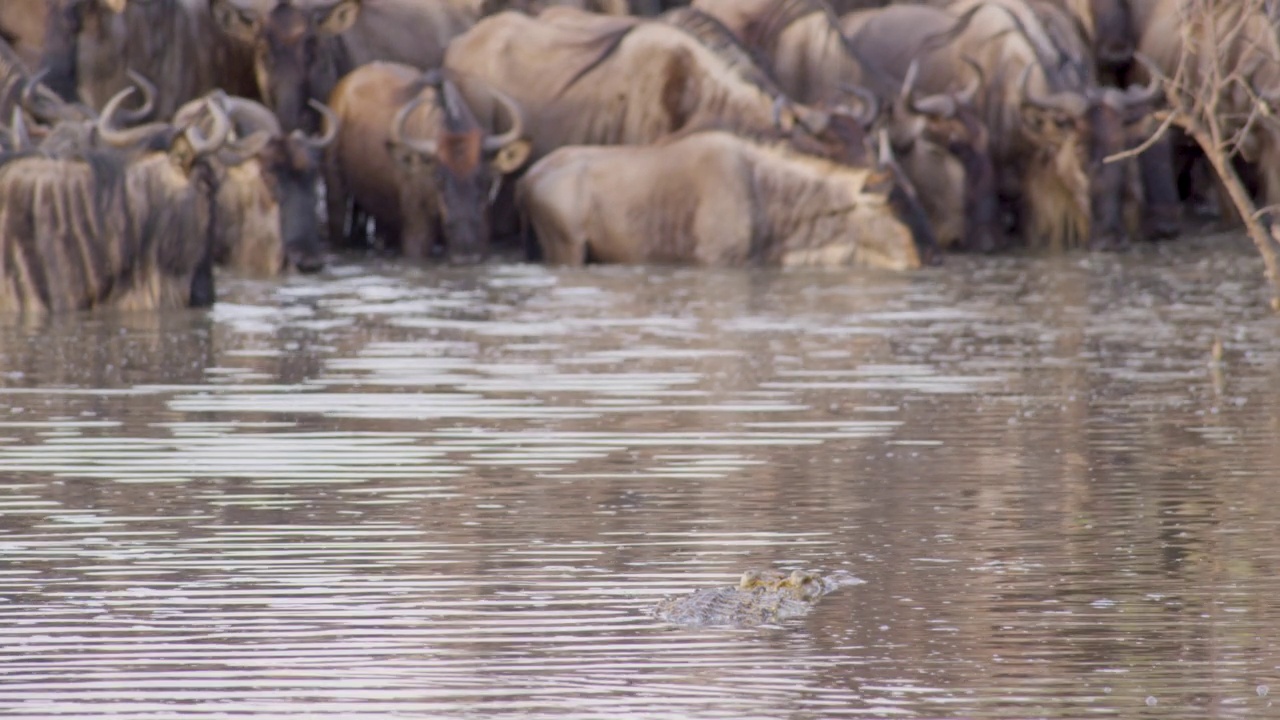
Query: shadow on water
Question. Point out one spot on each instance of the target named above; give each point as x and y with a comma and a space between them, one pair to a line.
400, 493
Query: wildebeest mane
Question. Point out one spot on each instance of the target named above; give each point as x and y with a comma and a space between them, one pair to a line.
749, 64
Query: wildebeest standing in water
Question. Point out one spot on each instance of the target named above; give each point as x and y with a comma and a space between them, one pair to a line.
938, 138
1245, 34
301, 49
1049, 132
91, 44
533, 7
713, 198
587, 79
107, 228
267, 167
413, 155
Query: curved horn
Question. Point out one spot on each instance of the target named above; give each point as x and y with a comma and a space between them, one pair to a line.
249, 116
148, 89
424, 147
202, 144
967, 95
514, 115
940, 105
1134, 95
870, 104
331, 125
18, 135
1045, 103
128, 139
909, 82
45, 105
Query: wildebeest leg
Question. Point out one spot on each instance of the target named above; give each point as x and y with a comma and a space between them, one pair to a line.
562, 242
1162, 209
338, 208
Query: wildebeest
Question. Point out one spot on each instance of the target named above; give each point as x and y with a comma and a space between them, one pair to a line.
303, 48
533, 7
264, 166
23, 26
713, 198
91, 44
1249, 52
414, 155
939, 140
588, 79
1049, 127
107, 229
1107, 25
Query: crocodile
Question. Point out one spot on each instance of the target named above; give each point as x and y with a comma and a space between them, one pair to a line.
761, 597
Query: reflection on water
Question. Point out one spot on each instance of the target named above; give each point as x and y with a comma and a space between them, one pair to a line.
405, 493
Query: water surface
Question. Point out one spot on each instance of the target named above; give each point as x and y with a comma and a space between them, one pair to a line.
388, 492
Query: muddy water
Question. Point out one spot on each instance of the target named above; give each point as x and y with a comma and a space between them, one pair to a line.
388, 493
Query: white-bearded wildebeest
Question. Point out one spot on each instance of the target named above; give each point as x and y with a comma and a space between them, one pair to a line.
1249, 52
415, 156
302, 48
266, 166
91, 44
588, 79
533, 7
939, 140
1049, 133
713, 198
104, 228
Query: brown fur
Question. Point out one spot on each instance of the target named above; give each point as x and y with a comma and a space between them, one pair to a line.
401, 190
656, 81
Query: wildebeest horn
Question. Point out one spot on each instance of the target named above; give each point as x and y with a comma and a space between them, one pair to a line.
779, 104
866, 117
45, 105
1028, 98
148, 90
967, 95
424, 147
515, 116
909, 82
131, 138
249, 116
202, 144
19, 138
331, 124
940, 105
1134, 95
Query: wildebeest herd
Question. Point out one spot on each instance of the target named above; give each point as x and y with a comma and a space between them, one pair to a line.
147, 141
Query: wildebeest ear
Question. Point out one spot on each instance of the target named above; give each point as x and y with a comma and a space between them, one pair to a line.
339, 18
239, 23
512, 156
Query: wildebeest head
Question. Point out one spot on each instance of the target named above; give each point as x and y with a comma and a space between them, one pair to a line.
66, 20
461, 165
1074, 133
950, 138
295, 55
270, 183
1113, 32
